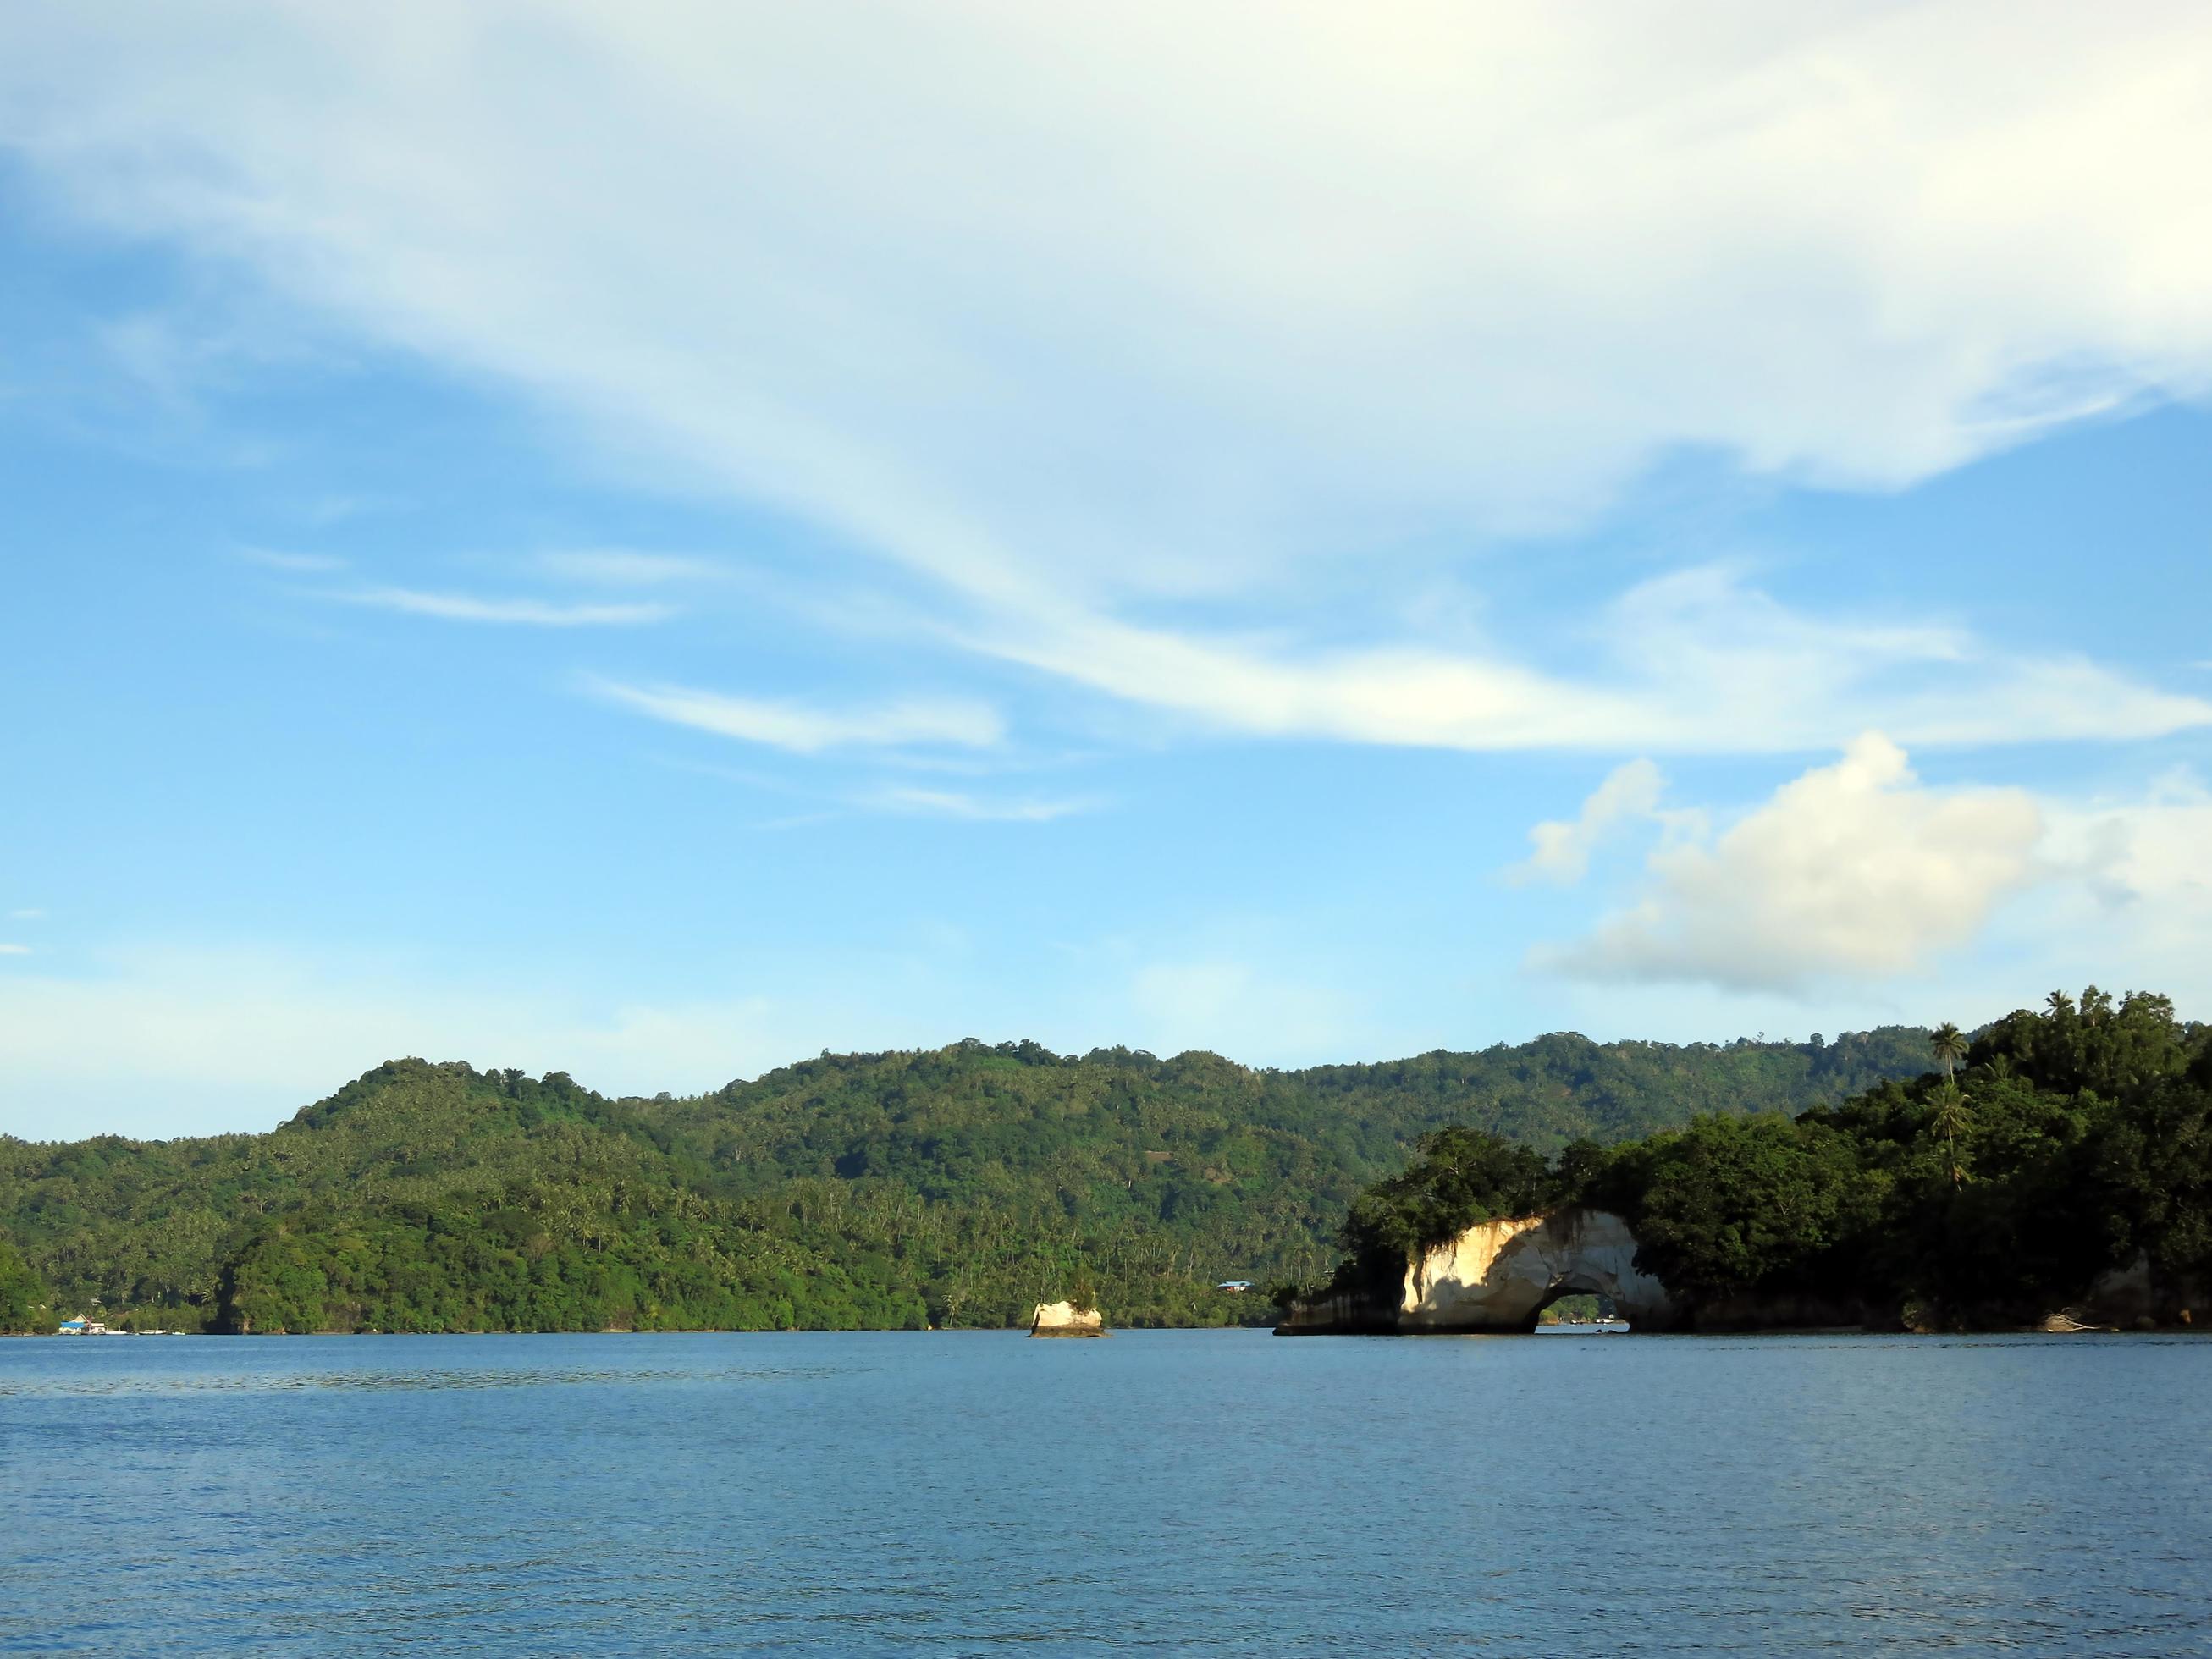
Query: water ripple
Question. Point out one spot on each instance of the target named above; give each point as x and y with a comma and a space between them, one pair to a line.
1170, 1493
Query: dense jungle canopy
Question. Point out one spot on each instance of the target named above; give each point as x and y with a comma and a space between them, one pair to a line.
952, 1187
2054, 1147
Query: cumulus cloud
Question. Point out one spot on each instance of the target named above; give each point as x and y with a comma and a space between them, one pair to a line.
1561, 848
802, 729
514, 613
1854, 871
2141, 863
1080, 310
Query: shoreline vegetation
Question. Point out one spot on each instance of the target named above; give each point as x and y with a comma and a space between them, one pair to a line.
953, 1187
963, 1187
2055, 1174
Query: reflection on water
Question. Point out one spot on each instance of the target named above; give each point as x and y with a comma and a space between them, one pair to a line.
1214, 1491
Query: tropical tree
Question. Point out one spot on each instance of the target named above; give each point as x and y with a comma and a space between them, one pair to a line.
1949, 1117
23, 1294
1949, 1045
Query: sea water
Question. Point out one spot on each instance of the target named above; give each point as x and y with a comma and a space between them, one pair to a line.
1220, 1492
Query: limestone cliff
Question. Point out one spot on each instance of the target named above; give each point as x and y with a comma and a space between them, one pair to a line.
1496, 1276
1499, 1276
1062, 1319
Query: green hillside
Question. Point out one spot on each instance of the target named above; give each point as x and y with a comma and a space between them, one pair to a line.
956, 1185
2055, 1147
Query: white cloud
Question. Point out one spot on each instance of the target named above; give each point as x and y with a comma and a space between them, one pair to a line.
958, 803
1077, 309
30, 914
803, 730
1696, 661
15, 950
1854, 871
2120, 897
615, 567
1561, 848
2142, 890
523, 612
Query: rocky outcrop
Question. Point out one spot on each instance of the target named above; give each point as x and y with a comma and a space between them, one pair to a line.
1062, 1319
1498, 1276
2134, 1298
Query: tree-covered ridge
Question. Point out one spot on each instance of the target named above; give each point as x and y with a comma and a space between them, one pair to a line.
25, 1303
2069, 1143
955, 1186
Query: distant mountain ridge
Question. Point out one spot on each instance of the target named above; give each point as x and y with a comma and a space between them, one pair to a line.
949, 1186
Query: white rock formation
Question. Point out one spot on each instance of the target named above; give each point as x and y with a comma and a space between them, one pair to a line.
1497, 1275
1060, 1319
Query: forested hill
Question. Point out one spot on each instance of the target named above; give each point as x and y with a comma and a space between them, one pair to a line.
955, 1186
2059, 1147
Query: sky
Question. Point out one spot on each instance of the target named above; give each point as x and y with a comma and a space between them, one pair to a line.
656, 544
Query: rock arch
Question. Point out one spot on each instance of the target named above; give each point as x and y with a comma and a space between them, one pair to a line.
1499, 1276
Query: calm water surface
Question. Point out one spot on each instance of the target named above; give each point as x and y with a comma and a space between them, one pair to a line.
1214, 1491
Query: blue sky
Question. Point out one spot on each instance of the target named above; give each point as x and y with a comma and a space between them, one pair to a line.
655, 547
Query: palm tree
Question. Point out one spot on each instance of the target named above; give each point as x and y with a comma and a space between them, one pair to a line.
1950, 1045
1948, 1115
1949, 1118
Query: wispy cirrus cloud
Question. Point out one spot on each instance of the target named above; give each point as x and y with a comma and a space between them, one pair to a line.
508, 611
1696, 661
1471, 274
805, 729
895, 800
974, 808
615, 567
